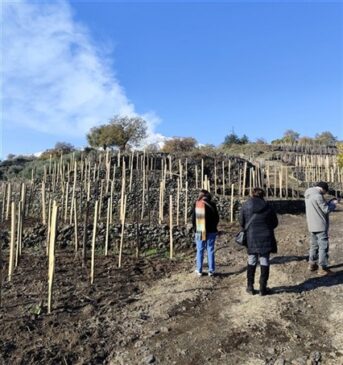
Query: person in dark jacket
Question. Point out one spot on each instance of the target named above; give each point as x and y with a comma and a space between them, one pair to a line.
205, 219
260, 237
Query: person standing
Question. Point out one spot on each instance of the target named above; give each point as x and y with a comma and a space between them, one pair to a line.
317, 217
261, 219
205, 219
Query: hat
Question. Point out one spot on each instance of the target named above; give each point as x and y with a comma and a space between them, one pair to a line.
323, 185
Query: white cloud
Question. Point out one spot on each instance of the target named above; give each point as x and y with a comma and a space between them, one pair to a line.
55, 79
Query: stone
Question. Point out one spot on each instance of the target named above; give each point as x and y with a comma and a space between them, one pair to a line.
150, 359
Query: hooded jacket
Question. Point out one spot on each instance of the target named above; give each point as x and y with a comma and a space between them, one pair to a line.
260, 233
317, 210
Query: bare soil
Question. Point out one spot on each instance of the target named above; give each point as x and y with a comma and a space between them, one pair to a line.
157, 311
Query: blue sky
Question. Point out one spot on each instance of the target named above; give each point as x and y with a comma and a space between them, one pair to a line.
199, 69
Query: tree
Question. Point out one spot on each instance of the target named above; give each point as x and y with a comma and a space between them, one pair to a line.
232, 138
305, 140
290, 136
64, 147
120, 132
59, 149
244, 139
340, 154
260, 141
325, 138
152, 148
179, 144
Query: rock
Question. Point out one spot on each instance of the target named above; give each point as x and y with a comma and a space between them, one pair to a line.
150, 359
316, 356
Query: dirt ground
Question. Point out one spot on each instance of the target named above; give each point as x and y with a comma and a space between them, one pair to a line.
156, 311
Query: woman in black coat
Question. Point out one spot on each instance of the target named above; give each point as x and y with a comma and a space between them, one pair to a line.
260, 237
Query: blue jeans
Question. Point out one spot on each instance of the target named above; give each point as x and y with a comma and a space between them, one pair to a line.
208, 245
319, 248
264, 259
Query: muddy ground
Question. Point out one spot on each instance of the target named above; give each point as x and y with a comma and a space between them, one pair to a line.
156, 311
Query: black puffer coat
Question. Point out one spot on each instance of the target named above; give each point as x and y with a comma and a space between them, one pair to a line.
260, 234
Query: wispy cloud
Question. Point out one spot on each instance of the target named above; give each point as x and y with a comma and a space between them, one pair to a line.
55, 78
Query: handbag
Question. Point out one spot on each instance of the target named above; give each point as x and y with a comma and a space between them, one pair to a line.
241, 236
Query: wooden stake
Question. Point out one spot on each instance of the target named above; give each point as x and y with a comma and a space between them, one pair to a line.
76, 246
231, 207
43, 204
51, 270
186, 202
12, 244
171, 244
107, 225
19, 234
122, 233
9, 198
94, 239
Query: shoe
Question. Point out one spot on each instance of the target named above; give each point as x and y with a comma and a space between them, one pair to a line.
198, 273
312, 266
250, 290
265, 291
263, 281
251, 269
323, 271
211, 273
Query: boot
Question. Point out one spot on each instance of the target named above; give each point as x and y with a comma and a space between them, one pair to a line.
263, 281
251, 279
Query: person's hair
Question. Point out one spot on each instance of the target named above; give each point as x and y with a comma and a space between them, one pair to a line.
258, 193
204, 194
323, 185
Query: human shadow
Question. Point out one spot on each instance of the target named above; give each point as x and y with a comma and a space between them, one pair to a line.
312, 284
336, 266
227, 274
278, 260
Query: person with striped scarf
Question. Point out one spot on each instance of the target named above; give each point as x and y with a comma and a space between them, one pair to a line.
205, 219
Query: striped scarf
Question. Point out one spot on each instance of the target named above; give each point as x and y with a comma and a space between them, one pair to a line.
200, 219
